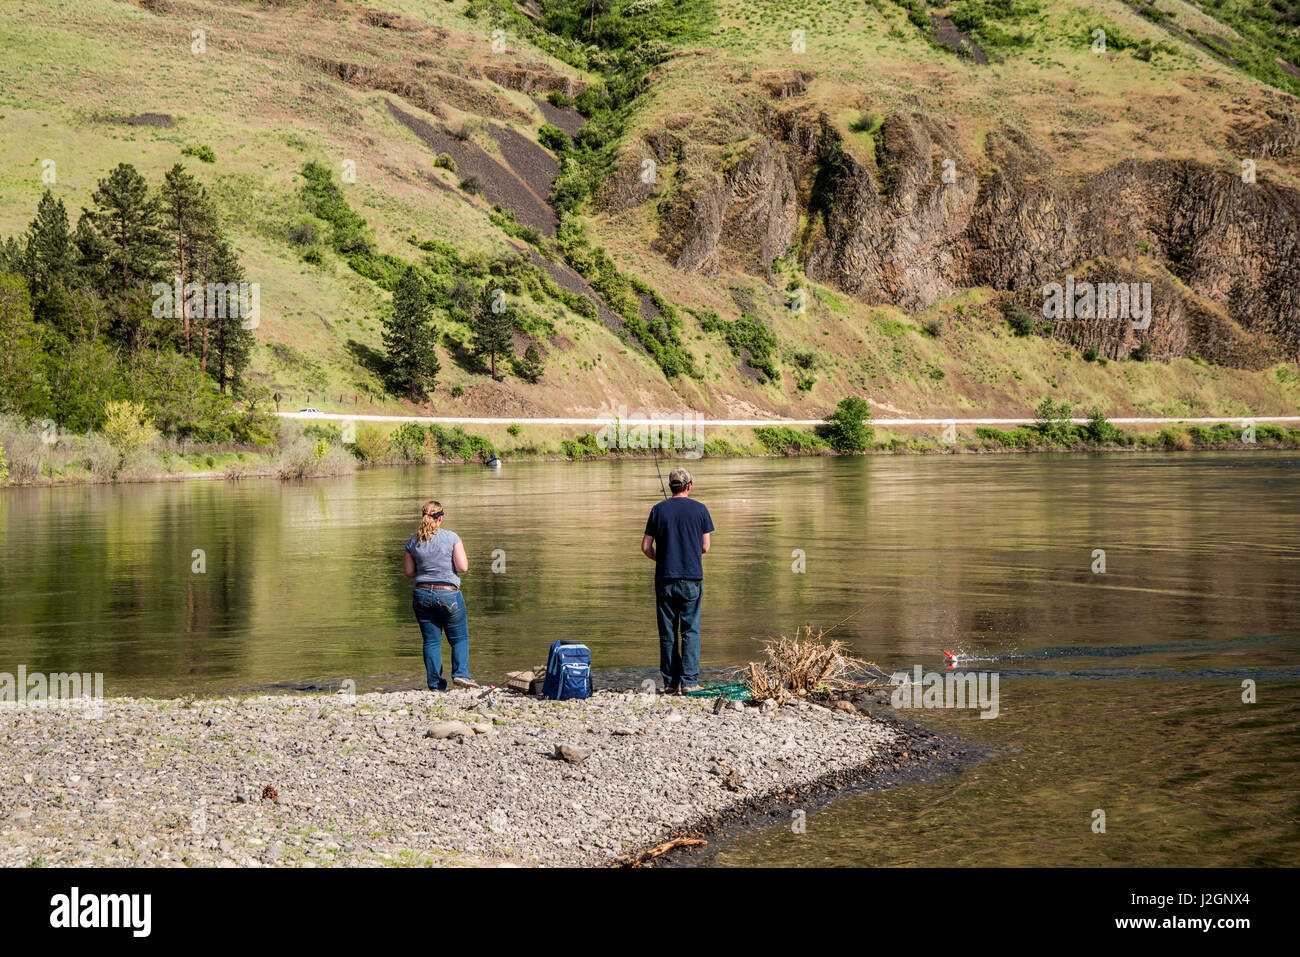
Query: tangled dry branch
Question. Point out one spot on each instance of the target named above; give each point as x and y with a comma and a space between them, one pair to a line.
808, 667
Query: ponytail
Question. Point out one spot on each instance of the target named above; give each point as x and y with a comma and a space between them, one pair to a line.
430, 513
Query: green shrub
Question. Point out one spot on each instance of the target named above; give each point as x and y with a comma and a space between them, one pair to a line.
349, 234
324, 430
721, 446
1099, 429
785, 440
444, 161
370, 445
4, 467
583, 447
1021, 322
554, 139
202, 153
1021, 437
1052, 420
129, 426
747, 338
456, 443
407, 442
513, 430
847, 429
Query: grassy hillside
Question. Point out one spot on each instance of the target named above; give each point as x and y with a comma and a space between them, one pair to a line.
383, 89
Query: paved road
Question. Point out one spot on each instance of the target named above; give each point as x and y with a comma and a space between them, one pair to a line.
696, 422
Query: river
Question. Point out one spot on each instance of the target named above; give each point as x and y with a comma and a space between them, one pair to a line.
1119, 692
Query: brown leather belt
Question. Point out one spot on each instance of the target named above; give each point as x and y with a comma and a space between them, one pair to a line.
438, 587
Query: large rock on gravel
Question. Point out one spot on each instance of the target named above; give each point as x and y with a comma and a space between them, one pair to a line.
572, 753
449, 729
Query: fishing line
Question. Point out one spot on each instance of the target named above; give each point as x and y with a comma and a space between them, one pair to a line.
660, 474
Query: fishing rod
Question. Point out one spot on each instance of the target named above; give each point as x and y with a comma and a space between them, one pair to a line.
660, 474
873, 601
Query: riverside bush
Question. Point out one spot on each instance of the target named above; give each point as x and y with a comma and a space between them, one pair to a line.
371, 445
1021, 437
408, 442
458, 444
305, 458
847, 428
584, 446
786, 440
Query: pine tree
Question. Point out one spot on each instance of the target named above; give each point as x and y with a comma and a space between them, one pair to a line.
48, 262
50, 256
492, 322
127, 218
190, 224
409, 338
531, 367
231, 343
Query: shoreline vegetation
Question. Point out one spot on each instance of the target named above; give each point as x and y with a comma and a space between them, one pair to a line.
414, 778
128, 450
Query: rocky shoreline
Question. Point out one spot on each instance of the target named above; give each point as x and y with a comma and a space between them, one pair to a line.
413, 778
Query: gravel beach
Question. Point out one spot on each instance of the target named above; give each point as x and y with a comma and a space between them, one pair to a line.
410, 778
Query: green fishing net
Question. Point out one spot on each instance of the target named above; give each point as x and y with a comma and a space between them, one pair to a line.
736, 690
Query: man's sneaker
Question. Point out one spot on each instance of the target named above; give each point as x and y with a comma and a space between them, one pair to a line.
465, 683
687, 689
670, 689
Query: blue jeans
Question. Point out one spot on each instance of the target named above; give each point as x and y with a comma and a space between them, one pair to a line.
677, 603
436, 611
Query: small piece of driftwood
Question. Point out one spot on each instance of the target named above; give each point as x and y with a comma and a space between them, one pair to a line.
649, 854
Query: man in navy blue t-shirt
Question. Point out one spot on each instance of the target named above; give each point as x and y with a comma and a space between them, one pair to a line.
676, 536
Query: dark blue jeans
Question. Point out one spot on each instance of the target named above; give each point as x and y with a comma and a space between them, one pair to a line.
677, 603
438, 610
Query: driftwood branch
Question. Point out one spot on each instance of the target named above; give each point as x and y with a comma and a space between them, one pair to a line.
650, 853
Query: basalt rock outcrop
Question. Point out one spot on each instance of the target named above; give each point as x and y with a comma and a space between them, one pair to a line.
916, 219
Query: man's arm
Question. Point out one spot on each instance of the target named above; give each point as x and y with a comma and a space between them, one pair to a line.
704, 542
648, 547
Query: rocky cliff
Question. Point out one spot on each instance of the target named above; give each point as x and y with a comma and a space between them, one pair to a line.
914, 219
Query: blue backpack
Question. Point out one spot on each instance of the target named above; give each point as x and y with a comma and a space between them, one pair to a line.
568, 671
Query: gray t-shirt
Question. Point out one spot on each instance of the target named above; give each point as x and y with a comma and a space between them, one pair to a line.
433, 558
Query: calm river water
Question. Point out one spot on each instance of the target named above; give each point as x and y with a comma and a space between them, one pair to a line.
1119, 691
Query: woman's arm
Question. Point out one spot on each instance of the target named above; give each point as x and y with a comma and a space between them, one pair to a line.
459, 560
408, 564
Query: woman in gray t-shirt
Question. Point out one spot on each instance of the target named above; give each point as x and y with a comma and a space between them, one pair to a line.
435, 558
